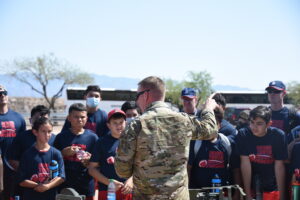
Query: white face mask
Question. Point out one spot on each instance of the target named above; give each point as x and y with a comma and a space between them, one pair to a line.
92, 102
129, 119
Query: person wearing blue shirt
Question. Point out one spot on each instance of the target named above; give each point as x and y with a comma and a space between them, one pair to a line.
295, 163
209, 157
1, 173
101, 165
263, 150
281, 115
35, 176
11, 124
76, 145
96, 117
26, 139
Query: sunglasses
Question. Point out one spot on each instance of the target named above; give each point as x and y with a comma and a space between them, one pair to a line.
3, 93
274, 91
141, 93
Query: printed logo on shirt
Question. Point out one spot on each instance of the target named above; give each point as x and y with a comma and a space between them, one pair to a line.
215, 160
91, 126
43, 174
8, 129
264, 155
74, 157
110, 160
278, 124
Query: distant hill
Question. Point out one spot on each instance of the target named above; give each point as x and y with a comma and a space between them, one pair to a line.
18, 89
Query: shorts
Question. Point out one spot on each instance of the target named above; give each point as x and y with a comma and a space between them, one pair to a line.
119, 196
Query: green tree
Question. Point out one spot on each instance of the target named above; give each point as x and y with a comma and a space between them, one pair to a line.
294, 93
43, 70
201, 82
173, 92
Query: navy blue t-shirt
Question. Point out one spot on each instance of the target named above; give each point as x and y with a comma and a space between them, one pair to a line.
24, 141
211, 159
294, 134
104, 153
96, 122
280, 119
295, 161
77, 174
262, 152
11, 124
34, 166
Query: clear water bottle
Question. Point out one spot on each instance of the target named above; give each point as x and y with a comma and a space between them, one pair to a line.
216, 182
53, 167
17, 197
81, 154
111, 190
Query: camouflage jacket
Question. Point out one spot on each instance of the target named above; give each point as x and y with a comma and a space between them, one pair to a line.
154, 150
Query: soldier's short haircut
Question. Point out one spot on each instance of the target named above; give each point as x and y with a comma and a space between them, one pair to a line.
155, 84
43, 110
77, 107
262, 112
220, 99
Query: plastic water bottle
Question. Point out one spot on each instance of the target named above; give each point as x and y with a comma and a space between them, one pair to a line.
53, 169
17, 197
295, 191
111, 190
80, 154
216, 182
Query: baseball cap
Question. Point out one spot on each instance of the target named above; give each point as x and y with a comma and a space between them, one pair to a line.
189, 93
115, 111
276, 85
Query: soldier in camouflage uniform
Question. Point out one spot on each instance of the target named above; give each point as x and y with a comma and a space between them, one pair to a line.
154, 148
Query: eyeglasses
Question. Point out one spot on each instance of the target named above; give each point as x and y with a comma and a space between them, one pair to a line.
274, 91
141, 93
3, 93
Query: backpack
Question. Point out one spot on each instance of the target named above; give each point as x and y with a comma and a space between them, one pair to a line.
224, 141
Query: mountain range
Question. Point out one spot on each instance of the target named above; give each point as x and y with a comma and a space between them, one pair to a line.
18, 89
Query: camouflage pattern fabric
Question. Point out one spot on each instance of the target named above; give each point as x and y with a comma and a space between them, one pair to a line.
154, 150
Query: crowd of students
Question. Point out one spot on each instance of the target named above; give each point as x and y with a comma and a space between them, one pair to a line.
263, 147
262, 154
85, 162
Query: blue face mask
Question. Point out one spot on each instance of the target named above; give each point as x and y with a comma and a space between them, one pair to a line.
92, 102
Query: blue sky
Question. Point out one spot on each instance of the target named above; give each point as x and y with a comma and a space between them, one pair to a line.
240, 43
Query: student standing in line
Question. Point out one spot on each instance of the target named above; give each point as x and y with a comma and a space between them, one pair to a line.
26, 139
11, 124
35, 176
76, 145
101, 165
262, 150
96, 117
